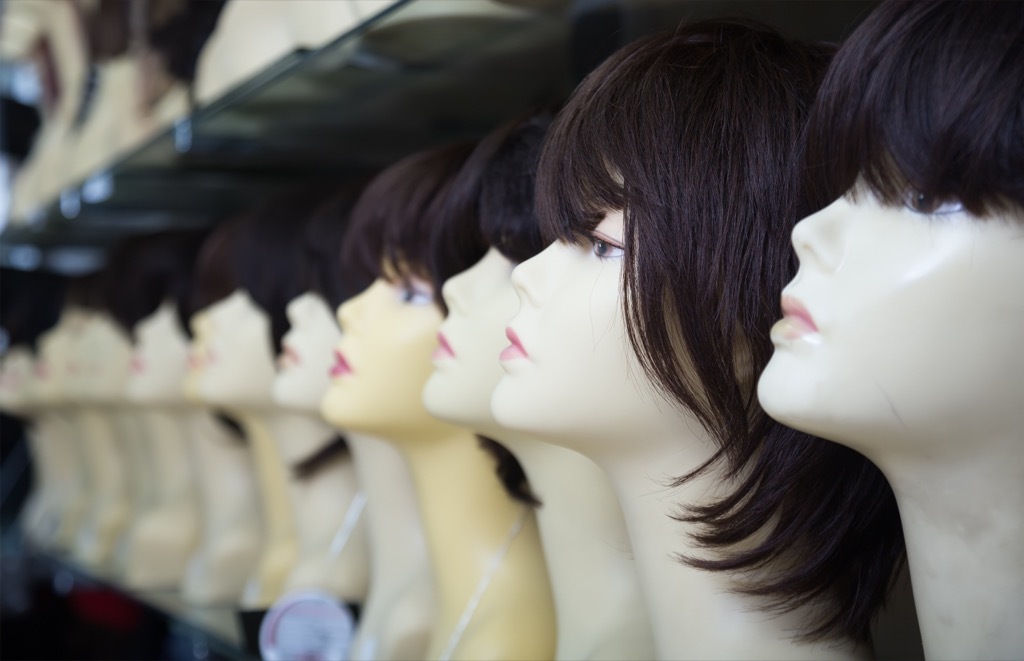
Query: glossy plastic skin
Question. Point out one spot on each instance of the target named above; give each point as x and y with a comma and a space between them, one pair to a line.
164, 536
331, 559
233, 368
914, 359
95, 377
389, 335
600, 612
581, 386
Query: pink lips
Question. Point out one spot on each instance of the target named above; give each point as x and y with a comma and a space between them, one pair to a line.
289, 356
795, 312
138, 366
516, 349
341, 366
443, 350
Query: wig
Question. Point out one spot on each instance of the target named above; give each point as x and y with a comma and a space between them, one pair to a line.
151, 270
925, 99
693, 135
491, 204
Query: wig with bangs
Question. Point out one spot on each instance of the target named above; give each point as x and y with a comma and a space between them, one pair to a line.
491, 204
396, 215
925, 98
693, 135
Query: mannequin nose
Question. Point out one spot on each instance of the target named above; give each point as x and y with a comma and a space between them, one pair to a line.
528, 278
818, 240
353, 309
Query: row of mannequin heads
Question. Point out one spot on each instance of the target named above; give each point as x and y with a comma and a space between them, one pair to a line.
557, 356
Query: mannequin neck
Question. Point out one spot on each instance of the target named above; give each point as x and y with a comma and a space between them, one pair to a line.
965, 543
711, 621
461, 545
600, 612
167, 439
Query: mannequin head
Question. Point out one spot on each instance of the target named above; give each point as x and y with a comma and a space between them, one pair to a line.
389, 330
652, 306
918, 149
307, 348
151, 302
17, 377
480, 300
249, 269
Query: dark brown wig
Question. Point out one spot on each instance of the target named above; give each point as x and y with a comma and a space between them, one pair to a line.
267, 252
491, 203
395, 217
150, 270
925, 97
693, 134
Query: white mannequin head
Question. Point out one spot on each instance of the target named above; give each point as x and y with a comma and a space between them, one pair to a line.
52, 358
160, 358
230, 359
99, 360
17, 380
303, 374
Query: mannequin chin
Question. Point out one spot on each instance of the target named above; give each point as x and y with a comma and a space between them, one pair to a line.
383, 360
303, 375
159, 361
480, 302
573, 336
231, 364
927, 321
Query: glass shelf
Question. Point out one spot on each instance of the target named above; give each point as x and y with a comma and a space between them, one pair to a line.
395, 84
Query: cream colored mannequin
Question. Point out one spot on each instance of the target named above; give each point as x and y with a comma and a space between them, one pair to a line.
55, 422
234, 370
97, 372
234, 54
469, 520
42, 175
910, 353
600, 612
163, 536
580, 385
330, 558
314, 23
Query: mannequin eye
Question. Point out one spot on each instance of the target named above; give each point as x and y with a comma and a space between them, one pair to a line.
415, 294
921, 203
605, 249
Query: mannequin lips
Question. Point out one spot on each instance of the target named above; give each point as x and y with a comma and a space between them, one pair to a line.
138, 366
289, 357
514, 351
341, 366
443, 350
796, 321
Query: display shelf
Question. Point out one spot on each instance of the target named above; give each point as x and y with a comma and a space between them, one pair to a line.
353, 106
215, 627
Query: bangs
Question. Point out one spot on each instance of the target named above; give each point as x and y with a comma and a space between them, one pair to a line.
390, 227
508, 217
928, 97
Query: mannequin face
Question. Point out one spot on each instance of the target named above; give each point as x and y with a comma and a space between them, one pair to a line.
303, 374
579, 382
159, 360
99, 361
917, 325
481, 302
51, 363
389, 334
230, 358
17, 376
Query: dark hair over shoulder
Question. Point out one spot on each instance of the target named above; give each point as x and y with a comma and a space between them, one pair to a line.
927, 96
693, 134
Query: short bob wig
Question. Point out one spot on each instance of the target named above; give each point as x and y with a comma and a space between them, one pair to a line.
693, 134
491, 204
925, 98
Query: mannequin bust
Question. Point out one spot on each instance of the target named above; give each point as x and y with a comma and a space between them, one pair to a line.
652, 224
920, 367
97, 371
55, 422
594, 583
333, 554
493, 598
234, 370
